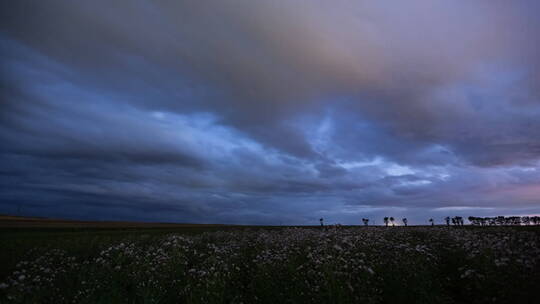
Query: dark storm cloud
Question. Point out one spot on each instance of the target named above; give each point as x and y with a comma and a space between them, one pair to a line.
243, 111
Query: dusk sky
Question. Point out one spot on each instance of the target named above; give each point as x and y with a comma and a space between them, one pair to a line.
269, 112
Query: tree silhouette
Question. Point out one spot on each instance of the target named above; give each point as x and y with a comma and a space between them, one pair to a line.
386, 221
321, 220
405, 221
474, 220
447, 219
455, 220
432, 222
392, 220
365, 220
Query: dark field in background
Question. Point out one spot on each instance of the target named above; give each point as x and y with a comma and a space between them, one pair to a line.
52, 261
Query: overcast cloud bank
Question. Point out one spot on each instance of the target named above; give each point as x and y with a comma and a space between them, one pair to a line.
263, 112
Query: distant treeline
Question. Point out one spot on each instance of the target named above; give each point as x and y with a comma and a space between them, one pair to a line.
475, 221
504, 220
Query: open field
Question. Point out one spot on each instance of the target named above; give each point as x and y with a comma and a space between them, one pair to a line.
8, 221
172, 263
18, 235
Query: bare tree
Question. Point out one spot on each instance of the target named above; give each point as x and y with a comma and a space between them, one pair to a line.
457, 221
405, 221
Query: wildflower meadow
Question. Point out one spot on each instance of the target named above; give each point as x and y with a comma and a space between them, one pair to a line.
286, 265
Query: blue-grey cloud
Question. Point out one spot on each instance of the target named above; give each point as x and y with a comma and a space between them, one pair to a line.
262, 112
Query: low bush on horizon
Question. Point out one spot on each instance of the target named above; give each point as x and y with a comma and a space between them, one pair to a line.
292, 265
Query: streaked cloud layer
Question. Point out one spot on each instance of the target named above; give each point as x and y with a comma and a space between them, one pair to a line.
270, 111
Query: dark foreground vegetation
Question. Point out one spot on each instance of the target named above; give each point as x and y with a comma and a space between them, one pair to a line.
265, 265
